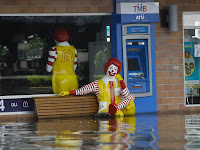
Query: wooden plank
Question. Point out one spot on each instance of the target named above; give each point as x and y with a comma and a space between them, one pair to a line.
68, 107
66, 115
75, 113
66, 101
67, 110
71, 105
48, 106
62, 116
74, 97
70, 114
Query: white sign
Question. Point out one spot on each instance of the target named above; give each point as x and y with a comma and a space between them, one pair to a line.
137, 8
196, 50
192, 82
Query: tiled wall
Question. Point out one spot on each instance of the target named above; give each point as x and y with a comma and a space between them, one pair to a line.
169, 53
56, 6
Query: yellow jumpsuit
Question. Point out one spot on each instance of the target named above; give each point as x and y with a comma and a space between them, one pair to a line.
104, 98
64, 78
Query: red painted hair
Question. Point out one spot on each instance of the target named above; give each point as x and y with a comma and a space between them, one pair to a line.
61, 35
115, 62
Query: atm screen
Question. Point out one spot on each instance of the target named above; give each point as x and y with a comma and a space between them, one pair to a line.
133, 64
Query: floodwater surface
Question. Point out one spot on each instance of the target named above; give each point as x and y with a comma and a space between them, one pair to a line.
145, 132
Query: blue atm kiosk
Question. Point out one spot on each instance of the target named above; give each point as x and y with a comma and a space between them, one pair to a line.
137, 59
133, 43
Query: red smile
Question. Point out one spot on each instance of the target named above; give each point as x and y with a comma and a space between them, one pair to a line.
112, 73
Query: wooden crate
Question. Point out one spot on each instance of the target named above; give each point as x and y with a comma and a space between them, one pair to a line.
66, 106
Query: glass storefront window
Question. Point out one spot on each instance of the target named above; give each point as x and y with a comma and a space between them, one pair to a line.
26, 40
191, 25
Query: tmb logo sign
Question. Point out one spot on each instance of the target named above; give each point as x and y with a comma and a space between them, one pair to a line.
140, 8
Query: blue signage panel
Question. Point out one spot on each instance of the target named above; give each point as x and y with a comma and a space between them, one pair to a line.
139, 18
16, 105
137, 29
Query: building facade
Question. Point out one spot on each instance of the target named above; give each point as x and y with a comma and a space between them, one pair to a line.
170, 88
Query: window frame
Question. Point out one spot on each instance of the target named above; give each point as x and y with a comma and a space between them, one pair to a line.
46, 15
188, 27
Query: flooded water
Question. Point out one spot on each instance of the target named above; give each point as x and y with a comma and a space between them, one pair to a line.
145, 132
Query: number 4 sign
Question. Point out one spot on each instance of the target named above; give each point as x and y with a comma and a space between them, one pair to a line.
196, 50
2, 107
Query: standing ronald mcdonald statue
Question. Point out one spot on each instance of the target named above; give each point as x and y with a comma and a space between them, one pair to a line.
113, 96
63, 61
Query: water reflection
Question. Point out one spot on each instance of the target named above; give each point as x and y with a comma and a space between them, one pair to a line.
138, 132
12, 135
101, 133
192, 126
116, 133
171, 131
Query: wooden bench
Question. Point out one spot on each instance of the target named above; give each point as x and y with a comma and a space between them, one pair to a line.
66, 106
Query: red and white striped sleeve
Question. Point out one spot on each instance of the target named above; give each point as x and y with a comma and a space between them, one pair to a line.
127, 97
89, 88
125, 102
51, 59
75, 60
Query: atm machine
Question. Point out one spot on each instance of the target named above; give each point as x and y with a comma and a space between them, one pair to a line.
133, 43
137, 59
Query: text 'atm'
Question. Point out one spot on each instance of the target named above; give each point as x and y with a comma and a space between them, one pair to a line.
137, 59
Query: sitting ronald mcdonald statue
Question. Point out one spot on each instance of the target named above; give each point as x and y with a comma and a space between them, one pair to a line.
63, 61
113, 96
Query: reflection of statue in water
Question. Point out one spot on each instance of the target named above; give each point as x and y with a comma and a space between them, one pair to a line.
68, 140
117, 132
113, 133
63, 61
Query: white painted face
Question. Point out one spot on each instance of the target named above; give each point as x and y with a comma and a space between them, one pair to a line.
112, 70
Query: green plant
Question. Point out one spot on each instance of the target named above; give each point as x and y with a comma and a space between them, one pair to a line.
39, 80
